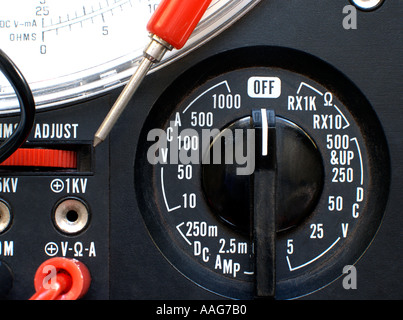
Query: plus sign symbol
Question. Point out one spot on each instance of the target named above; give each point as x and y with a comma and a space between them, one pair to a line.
57, 185
51, 249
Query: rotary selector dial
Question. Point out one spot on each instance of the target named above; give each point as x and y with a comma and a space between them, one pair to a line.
299, 176
264, 175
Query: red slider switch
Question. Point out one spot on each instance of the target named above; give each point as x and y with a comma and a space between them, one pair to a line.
35, 157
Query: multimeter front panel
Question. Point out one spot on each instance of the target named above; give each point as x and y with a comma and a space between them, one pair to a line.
156, 212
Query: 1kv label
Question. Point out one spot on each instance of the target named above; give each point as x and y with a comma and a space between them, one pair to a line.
69, 185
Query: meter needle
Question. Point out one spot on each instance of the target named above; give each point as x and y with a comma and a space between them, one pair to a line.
170, 27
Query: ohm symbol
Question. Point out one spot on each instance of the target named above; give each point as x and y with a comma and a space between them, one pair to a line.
328, 97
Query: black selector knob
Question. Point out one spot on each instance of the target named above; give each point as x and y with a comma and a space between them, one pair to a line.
299, 177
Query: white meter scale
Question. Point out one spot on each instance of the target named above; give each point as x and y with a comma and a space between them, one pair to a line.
261, 178
70, 50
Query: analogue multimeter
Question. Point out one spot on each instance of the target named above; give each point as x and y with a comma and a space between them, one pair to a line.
262, 160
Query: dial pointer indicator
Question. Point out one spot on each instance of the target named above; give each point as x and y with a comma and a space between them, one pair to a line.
263, 211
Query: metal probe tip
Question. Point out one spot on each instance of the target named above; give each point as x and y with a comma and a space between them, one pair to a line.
97, 141
152, 54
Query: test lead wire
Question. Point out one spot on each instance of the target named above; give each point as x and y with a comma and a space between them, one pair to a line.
170, 27
27, 106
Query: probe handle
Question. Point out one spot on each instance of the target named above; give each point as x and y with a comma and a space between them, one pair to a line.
175, 20
172, 22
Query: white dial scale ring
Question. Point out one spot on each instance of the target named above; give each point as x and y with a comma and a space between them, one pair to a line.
327, 186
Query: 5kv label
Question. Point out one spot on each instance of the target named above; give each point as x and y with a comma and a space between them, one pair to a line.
8, 185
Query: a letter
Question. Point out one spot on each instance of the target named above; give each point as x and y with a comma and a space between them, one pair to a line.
350, 21
350, 280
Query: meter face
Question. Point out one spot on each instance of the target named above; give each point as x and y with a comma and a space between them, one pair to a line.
70, 50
